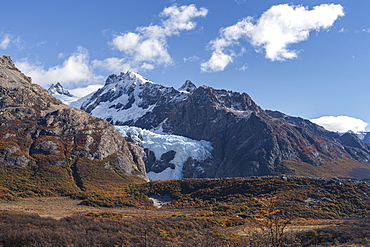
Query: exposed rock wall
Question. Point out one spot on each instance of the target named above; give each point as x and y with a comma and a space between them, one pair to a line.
249, 141
36, 128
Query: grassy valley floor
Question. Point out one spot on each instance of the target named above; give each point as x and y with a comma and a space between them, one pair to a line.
128, 226
264, 211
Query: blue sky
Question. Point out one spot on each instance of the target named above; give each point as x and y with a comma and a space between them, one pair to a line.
305, 58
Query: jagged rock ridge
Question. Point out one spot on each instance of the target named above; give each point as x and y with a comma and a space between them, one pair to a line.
59, 92
130, 99
188, 86
246, 139
36, 128
58, 89
250, 141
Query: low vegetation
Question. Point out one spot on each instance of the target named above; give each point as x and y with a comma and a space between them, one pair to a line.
145, 229
301, 197
85, 179
260, 211
345, 168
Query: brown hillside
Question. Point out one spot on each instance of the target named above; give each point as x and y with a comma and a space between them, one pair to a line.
46, 145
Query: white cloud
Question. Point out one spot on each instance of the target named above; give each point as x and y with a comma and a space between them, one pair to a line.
75, 71
147, 47
192, 59
179, 18
6, 40
243, 68
273, 32
341, 123
83, 91
218, 61
112, 64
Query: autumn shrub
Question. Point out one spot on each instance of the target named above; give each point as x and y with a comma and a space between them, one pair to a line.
230, 197
32, 230
352, 231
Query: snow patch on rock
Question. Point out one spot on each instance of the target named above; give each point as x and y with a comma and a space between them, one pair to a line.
159, 201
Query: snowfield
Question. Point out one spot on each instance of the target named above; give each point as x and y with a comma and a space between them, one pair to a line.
127, 97
68, 100
162, 143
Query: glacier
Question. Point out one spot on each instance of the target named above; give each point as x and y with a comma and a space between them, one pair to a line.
159, 144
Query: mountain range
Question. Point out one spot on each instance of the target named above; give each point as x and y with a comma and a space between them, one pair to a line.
164, 133
49, 149
240, 138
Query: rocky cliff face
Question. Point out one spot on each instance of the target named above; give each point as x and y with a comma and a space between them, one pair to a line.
246, 139
36, 128
250, 141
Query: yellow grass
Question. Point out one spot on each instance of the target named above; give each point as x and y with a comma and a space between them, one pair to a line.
330, 168
60, 207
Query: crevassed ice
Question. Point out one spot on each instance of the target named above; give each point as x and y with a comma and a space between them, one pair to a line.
162, 143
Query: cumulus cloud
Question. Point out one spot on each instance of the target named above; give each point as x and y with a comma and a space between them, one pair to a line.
273, 32
341, 123
147, 47
75, 71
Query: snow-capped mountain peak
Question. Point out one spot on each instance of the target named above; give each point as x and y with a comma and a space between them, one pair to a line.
58, 89
128, 78
62, 94
241, 138
131, 99
363, 135
188, 86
